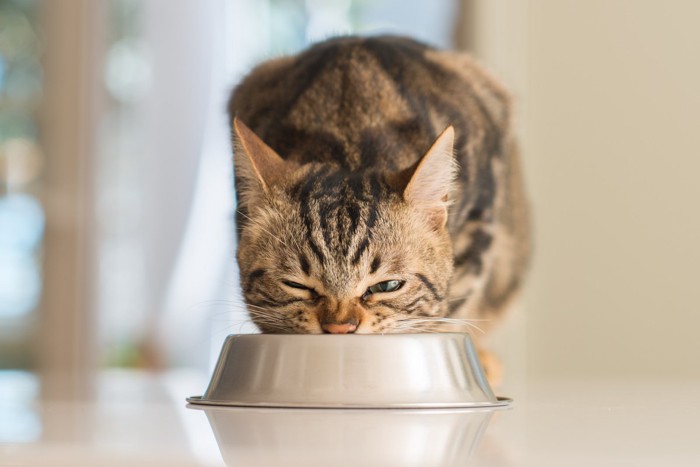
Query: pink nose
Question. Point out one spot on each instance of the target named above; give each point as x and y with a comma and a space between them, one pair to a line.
334, 328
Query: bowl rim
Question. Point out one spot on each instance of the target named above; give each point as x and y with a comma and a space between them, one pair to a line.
501, 402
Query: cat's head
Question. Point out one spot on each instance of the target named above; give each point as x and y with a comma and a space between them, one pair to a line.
323, 249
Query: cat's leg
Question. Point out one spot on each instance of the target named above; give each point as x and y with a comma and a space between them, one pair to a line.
492, 366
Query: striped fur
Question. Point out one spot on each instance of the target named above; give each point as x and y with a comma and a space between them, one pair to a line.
338, 189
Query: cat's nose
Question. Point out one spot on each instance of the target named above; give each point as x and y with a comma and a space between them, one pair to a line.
336, 328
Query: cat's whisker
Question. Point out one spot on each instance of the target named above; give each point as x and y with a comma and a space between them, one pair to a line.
266, 320
441, 320
231, 312
259, 309
262, 310
270, 319
257, 316
270, 323
414, 329
446, 321
262, 325
416, 324
218, 301
253, 305
231, 328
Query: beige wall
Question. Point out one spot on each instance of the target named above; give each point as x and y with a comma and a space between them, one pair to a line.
609, 97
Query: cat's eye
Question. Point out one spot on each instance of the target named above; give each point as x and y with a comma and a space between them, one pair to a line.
312, 294
386, 286
296, 285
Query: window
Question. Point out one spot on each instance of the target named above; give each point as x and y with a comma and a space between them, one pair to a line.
21, 162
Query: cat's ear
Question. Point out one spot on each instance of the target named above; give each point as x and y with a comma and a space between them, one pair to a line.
257, 165
431, 179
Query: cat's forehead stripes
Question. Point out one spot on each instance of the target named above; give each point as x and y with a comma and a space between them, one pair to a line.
304, 264
376, 262
304, 194
339, 210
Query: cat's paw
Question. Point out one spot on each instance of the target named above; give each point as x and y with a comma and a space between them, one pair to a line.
492, 367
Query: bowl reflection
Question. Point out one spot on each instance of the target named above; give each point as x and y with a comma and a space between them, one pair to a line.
359, 437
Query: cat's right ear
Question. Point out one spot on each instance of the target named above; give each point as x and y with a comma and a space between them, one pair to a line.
257, 166
427, 184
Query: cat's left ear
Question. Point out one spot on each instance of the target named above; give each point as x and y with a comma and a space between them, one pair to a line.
257, 165
431, 179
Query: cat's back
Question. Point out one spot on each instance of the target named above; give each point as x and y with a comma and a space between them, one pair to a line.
370, 102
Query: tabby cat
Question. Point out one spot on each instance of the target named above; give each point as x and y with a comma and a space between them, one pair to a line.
379, 191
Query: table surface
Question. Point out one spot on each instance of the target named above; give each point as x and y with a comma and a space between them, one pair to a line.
142, 419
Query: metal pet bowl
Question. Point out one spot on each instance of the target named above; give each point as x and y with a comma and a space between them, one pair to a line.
349, 371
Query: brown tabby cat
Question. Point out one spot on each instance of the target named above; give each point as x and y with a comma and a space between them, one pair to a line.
379, 190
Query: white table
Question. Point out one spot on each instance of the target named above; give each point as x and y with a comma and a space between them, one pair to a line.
142, 420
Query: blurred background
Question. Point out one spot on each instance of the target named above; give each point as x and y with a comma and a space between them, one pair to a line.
116, 234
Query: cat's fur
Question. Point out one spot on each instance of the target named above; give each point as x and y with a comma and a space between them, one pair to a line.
347, 185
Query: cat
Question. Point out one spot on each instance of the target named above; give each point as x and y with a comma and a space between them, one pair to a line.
379, 191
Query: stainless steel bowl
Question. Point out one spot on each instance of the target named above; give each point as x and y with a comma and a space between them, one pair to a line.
349, 371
